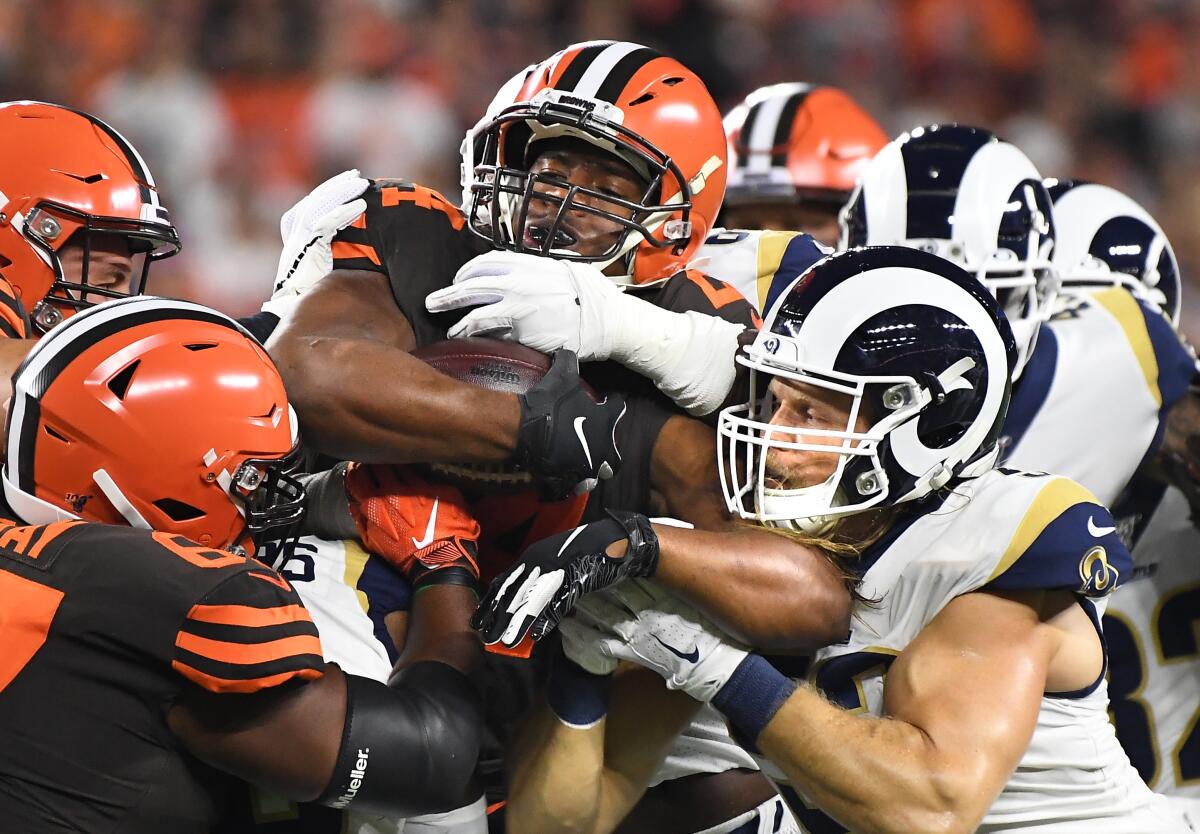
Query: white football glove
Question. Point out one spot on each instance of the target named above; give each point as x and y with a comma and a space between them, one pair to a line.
543, 303
547, 304
637, 621
307, 230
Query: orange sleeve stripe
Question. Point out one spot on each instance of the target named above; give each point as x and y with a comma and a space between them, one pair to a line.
225, 685
248, 615
359, 222
718, 296
343, 251
245, 654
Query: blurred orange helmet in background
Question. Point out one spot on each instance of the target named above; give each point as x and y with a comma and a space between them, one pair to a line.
63, 172
798, 142
158, 414
629, 100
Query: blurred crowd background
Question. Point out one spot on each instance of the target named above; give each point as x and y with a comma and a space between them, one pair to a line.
241, 106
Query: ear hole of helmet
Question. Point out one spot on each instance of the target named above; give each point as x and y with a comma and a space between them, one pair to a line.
55, 433
121, 381
178, 510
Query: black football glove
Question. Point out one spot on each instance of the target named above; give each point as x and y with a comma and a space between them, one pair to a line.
565, 437
534, 595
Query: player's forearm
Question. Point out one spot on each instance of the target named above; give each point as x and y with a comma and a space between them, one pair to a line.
363, 400
439, 629
765, 590
874, 775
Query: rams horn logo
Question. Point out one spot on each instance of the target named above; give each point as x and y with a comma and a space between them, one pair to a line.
1097, 577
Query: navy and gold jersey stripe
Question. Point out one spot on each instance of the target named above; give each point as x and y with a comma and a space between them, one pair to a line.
1066, 540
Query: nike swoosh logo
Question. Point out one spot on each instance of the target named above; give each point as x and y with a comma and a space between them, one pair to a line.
428, 528
579, 421
690, 657
570, 539
1098, 531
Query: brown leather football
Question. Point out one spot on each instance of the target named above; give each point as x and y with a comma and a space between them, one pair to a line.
488, 363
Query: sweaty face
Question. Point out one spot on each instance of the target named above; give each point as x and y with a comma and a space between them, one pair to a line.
110, 265
562, 163
800, 406
818, 220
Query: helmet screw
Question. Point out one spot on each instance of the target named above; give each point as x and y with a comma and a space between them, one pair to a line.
895, 397
49, 228
866, 483
3, 217
210, 477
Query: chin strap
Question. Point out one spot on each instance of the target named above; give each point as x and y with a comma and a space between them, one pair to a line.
117, 498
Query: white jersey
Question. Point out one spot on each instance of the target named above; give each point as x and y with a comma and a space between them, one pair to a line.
758, 264
333, 579
1002, 531
1090, 403
1151, 630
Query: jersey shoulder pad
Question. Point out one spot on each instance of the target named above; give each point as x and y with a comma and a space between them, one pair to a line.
247, 633
1166, 361
692, 291
398, 213
760, 264
1057, 536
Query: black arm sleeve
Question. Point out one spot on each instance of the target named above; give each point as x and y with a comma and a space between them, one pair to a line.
408, 748
261, 325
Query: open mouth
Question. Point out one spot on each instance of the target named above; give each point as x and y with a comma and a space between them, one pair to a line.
536, 234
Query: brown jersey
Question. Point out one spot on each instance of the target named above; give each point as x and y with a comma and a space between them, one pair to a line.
419, 240
103, 627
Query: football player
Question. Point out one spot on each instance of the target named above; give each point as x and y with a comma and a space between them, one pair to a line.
971, 693
552, 193
796, 152
149, 452
1110, 249
80, 220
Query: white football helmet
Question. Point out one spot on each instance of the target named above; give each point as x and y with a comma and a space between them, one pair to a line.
920, 347
961, 193
1103, 238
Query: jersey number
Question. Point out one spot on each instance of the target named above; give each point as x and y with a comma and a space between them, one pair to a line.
841, 679
1174, 628
26, 610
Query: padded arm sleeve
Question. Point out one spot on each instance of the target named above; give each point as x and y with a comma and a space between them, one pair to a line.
408, 748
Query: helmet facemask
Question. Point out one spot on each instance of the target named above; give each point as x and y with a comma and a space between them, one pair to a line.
269, 496
51, 227
860, 481
504, 187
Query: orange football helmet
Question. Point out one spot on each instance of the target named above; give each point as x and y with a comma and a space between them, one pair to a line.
647, 109
798, 142
158, 414
62, 172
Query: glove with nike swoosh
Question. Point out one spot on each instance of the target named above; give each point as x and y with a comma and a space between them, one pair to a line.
639, 622
534, 595
565, 436
422, 528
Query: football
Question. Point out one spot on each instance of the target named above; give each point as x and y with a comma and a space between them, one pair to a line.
488, 363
